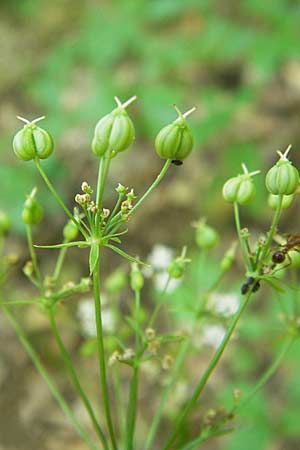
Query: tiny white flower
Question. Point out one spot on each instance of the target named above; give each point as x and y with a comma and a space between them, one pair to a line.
161, 280
212, 335
160, 257
225, 304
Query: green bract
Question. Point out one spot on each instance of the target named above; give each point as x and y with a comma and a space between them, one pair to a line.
32, 141
175, 141
240, 189
32, 212
273, 201
115, 132
283, 178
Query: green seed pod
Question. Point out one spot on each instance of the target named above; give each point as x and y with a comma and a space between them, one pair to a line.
175, 141
228, 258
5, 223
115, 132
176, 268
136, 278
206, 236
240, 189
273, 201
32, 212
70, 231
32, 141
283, 178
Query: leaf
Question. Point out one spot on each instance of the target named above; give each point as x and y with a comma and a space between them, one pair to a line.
94, 256
125, 255
116, 239
66, 244
273, 284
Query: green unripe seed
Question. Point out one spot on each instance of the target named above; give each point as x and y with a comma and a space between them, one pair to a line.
206, 236
273, 201
239, 189
5, 222
114, 132
283, 178
176, 268
32, 212
70, 231
228, 259
32, 142
136, 278
174, 141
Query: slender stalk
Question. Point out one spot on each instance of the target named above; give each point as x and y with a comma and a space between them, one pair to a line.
159, 304
121, 411
33, 257
104, 168
75, 380
59, 263
238, 230
101, 354
271, 233
133, 395
266, 375
43, 372
100, 178
205, 377
149, 190
57, 197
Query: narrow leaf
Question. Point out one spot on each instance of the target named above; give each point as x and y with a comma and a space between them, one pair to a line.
125, 255
94, 256
66, 244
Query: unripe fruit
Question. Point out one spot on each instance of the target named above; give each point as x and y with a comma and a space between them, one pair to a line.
32, 212
240, 189
136, 278
283, 178
206, 236
175, 141
5, 222
114, 133
177, 266
32, 142
70, 231
273, 201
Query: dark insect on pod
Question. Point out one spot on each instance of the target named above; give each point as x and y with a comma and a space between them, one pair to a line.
278, 257
256, 286
177, 162
246, 285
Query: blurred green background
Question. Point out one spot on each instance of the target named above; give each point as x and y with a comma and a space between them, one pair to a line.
237, 62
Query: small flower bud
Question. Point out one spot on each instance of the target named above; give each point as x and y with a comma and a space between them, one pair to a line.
136, 278
273, 201
177, 267
5, 222
121, 189
150, 334
175, 141
32, 212
114, 133
32, 141
240, 189
28, 269
167, 362
283, 178
70, 231
86, 188
206, 236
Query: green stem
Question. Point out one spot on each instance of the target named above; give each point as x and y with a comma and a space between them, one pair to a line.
159, 303
57, 197
59, 263
101, 354
149, 190
209, 370
33, 257
271, 232
74, 378
238, 229
102, 176
267, 375
133, 395
121, 411
43, 372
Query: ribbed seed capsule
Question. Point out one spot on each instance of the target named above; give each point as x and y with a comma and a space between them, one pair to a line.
32, 212
283, 178
273, 201
175, 141
240, 189
206, 236
32, 141
136, 278
115, 132
70, 231
177, 267
5, 222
